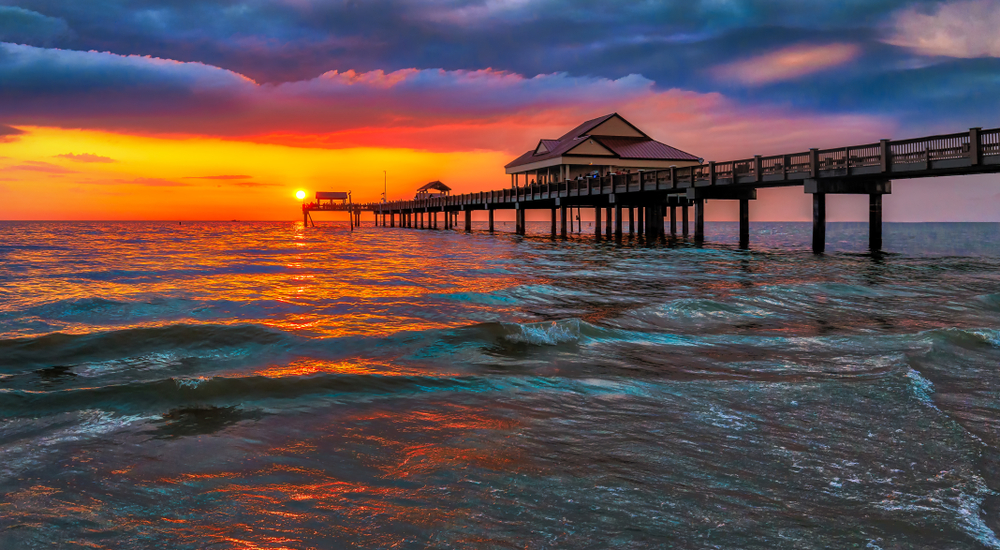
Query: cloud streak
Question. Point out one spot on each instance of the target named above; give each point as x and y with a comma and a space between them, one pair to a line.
787, 63
86, 157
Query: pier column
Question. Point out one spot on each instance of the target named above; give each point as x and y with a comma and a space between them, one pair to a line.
562, 221
875, 222
819, 223
519, 221
673, 221
608, 222
631, 221
744, 223
640, 222
618, 221
597, 222
553, 223
468, 221
491, 220
305, 219
392, 219
699, 220
684, 221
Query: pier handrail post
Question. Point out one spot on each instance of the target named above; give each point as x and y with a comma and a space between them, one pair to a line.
885, 156
975, 146
757, 176
814, 163
711, 172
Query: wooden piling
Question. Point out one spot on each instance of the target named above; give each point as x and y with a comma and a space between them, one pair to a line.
875, 222
553, 223
608, 222
744, 223
618, 221
699, 220
562, 221
597, 222
819, 223
640, 225
491, 220
673, 220
468, 221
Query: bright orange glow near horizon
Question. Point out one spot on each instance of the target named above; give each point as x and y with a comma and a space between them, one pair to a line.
50, 173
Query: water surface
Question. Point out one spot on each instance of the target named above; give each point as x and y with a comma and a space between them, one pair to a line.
257, 385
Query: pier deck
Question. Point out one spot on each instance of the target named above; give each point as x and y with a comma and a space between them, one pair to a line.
646, 197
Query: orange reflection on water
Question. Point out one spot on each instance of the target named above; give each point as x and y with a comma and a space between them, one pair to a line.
306, 367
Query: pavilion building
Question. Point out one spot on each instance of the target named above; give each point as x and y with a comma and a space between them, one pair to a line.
601, 146
427, 191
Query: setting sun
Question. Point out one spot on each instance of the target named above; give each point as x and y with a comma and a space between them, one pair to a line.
300, 194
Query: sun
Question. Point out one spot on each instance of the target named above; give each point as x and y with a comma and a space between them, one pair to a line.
300, 194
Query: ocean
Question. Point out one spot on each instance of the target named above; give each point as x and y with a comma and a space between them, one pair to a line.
261, 385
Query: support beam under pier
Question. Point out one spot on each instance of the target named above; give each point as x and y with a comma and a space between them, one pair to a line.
618, 221
491, 220
468, 221
562, 221
553, 223
597, 222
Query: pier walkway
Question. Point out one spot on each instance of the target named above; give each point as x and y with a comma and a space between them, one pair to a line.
650, 199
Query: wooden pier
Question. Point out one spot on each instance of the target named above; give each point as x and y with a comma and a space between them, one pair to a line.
650, 199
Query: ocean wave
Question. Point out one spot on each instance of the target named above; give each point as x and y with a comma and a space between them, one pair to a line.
144, 396
60, 348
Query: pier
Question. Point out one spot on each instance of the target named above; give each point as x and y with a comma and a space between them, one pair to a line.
651, 199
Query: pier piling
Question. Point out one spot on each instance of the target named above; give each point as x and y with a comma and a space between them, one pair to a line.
875, 222
819, 223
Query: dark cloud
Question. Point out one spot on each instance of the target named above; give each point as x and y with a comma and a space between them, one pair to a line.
286, 46
28, 27
9, 133
86, 157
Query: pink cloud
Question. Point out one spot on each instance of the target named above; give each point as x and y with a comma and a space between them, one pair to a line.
786, 64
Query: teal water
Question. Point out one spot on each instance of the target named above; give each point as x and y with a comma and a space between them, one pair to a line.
258, 385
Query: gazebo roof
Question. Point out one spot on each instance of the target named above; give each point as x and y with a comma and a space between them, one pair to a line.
609, 136
434, 185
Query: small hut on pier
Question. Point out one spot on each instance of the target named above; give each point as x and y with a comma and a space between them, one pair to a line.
601, 146
425, 192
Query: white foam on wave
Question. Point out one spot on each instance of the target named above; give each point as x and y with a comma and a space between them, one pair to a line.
545, 334
190, 383
29, 453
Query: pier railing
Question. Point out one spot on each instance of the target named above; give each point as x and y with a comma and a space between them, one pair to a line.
965, 152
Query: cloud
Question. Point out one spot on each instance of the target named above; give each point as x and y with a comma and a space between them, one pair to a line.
9, 134
152, 182
255, 184
35, 166
28, 27
956, 29
425, 109
86, 157
223, 177
787, 63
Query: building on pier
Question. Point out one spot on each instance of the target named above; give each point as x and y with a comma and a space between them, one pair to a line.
598, 147
425, 191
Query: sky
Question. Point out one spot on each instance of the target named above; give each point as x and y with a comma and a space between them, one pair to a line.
222, 109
